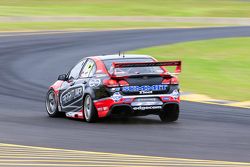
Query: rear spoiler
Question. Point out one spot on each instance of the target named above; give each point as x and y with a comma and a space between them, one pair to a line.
176, 63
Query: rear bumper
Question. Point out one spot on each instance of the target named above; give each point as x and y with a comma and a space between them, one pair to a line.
125, 106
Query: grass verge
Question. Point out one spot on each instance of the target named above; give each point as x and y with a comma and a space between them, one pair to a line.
26, 26
189, 8
218, 68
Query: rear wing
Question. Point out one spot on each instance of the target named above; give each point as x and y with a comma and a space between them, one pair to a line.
176, 63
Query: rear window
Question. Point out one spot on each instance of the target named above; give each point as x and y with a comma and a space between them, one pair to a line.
133, 70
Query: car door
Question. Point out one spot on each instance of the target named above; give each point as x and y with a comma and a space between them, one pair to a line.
71, 93
72, 96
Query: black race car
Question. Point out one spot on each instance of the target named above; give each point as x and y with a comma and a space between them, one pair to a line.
116, 85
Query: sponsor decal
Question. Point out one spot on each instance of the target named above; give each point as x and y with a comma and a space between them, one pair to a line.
127, 100
156, 103
116, 96
71, 95
102, 109
147, 99
144, 89
165, 98
70, 114
147, 108
145, 92
94, 82
74, 114
175, 94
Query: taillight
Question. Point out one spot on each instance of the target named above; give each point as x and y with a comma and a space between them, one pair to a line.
123, 83
172, 80
110, 83
166, 81
114, 83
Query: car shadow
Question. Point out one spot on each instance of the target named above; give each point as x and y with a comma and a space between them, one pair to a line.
131, 121
139, 120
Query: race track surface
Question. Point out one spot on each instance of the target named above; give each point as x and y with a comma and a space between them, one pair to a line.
30, 63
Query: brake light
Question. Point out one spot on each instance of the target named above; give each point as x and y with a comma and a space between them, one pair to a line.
110, 83
123, 83
166, 81
114, 83
172, 80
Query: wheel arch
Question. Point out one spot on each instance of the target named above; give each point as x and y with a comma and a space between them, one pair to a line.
89, 91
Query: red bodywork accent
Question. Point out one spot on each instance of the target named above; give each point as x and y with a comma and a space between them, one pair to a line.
107, 103
171, 99
103, 106
171, 80
56, 86
100, 65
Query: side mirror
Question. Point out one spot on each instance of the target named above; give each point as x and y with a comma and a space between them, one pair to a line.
63, 77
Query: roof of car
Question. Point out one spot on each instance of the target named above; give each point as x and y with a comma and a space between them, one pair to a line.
122, 56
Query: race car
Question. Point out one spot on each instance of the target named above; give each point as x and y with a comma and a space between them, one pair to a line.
116, 85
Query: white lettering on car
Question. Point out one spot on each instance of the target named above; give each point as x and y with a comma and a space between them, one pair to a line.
71, 95
147, 108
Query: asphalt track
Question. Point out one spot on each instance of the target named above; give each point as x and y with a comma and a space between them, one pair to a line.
30, 63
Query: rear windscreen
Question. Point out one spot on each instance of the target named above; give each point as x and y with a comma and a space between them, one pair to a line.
133, 70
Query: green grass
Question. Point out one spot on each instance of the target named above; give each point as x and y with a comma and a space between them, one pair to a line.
26, 26
218, 68
208, 8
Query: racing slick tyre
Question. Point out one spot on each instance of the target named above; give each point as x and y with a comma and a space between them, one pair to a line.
52, 105
89, 110
170, 114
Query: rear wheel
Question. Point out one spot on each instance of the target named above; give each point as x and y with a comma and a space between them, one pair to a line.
51, 104
89, 110
170, 114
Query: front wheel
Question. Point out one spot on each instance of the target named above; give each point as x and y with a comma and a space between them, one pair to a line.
89, 110
170, 114
51, 104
